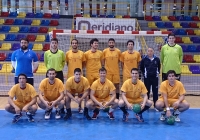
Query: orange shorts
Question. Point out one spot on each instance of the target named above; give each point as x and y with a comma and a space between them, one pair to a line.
20, 104
135, 101
170, 101
92, 77
114, 78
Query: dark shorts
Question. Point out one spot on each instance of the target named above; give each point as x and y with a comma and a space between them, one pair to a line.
164, 77
29, 80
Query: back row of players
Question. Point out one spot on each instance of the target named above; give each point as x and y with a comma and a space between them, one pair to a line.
99, 83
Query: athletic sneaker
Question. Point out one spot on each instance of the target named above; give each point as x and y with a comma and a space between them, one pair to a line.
80, 110
67, 116
163, 116
139, 117
176, 115
95, 115
110, 115
30, 117
57, 114
88, 117
47, 114
16, 118
125, 117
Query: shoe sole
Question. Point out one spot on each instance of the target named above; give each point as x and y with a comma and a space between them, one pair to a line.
96, 117
58, 117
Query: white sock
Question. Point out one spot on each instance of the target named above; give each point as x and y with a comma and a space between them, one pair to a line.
111, 110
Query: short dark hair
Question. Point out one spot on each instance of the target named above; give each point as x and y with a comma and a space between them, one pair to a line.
93, 40
75, 40
171, 34
54, 39
171, 72
134, 69
51, 69
22, 74
130, 41
77, 70
111, 39
25, 39
102, 69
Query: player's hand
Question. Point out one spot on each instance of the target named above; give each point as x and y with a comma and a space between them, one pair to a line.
106, 105
168, 113
101, 106
176, 104
53, 103
25, 108
17, 110
142, 106
47, 105
130, 106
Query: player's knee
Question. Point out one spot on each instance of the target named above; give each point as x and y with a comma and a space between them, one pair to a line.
121, 103
89, 103
186, 106
7, 107
159, 105
67, 99
34, 107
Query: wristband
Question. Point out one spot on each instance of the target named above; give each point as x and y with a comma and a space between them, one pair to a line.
167, 108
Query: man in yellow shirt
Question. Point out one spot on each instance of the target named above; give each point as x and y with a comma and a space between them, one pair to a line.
129, 59
172, 95
77, 89
25, 99
74, 58
111, 59
101, 90
134, 92
93, 61
51, 94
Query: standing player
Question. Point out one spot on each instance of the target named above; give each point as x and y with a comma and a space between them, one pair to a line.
55, 58
150, 67
101, 90
51, 94
172, 95
74, 58
132, 92
171, 57
77, 88
93, 61
25, 99
24, 61
129, 59
111, 61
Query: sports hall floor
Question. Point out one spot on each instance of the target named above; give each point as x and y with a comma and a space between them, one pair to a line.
79, 128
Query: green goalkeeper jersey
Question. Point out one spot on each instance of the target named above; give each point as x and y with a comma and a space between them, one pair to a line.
171, 58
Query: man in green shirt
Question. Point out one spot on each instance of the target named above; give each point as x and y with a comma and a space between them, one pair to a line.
171, 57
55, 58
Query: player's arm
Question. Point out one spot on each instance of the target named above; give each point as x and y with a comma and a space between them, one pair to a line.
113, 93
166, 104
103, 62
125, 100
142, 66
60, 97
85, 94
70, 95
180, 55
45, 59
145, 98
32, 102
35, 62
92, 92
10, 101
42, 99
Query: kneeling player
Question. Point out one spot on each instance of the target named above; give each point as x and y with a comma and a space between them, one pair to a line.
79, 85
101, 89
172, 95
51, 94
26, 98
132, 90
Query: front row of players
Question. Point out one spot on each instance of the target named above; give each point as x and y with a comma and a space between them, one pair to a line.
100, 95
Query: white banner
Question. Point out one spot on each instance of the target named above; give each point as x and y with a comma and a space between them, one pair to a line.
111, 24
